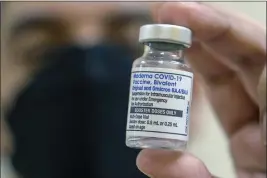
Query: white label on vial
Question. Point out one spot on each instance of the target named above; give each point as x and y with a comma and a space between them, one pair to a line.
159, 103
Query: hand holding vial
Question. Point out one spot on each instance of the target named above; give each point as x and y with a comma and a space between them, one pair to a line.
229, 54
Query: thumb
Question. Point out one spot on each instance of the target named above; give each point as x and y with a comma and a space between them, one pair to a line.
170, 164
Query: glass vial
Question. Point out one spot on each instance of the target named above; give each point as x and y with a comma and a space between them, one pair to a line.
160, 90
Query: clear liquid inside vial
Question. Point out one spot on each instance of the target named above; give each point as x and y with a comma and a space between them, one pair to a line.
160, 55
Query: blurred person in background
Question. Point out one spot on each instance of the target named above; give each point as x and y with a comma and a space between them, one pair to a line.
65, 81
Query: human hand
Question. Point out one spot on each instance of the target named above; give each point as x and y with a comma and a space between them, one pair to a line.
229, 55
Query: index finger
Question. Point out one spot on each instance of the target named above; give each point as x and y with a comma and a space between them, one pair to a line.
227, 34
228, 55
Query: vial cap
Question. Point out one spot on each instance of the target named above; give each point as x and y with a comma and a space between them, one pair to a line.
165, 33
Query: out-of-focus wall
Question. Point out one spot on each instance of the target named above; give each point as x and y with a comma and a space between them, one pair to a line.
210, 145
256, 10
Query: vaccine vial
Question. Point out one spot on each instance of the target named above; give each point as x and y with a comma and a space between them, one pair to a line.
160, 90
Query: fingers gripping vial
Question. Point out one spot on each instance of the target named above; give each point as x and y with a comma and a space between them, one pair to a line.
160, 90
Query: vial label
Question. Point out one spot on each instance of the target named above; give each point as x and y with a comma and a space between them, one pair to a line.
159, 103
